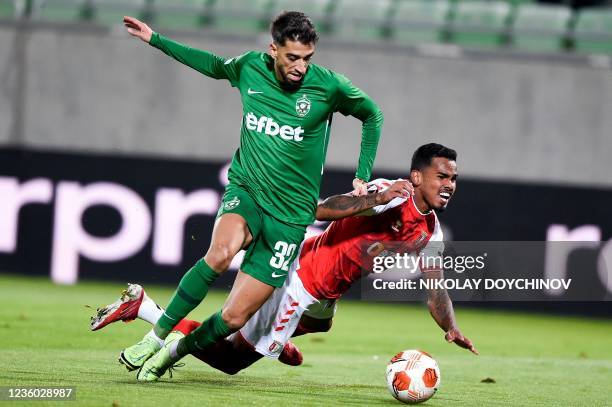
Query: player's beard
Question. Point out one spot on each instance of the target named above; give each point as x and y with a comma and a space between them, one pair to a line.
287, 84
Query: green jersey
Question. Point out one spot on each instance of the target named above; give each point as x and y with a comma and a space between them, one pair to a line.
284, 134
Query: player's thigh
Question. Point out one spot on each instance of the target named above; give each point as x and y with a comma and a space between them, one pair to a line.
230, 231
247, 295
271, 254
239, 221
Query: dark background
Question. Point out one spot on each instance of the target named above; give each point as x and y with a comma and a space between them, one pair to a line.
480, 211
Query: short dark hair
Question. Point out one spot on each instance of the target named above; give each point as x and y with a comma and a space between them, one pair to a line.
423, 155
294, 26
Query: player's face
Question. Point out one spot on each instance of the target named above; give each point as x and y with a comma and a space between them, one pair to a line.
437, 184
291, 62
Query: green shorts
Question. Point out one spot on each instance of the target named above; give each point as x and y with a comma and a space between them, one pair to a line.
275, 244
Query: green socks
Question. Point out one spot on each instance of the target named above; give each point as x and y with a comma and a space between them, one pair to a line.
205, 335
190, 292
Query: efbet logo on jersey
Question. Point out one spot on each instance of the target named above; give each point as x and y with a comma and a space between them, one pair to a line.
302, 106
268, 126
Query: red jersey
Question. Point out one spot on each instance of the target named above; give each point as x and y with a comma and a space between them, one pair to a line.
330, 262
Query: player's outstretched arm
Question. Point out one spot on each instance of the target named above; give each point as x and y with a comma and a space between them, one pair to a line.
342, 206
202, 61
441, 309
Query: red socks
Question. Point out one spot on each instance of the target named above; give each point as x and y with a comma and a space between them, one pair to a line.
186, 326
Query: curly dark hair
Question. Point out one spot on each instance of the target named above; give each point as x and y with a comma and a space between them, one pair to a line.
423, 155
294, 26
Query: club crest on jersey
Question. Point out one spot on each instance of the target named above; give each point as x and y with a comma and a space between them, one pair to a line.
276, 347
302, 106
231, 204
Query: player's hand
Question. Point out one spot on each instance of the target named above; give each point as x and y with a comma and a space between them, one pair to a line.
455, 335
399, 189
360, 187
138, 29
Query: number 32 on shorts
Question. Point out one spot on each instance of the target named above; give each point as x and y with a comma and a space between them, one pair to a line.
282, 255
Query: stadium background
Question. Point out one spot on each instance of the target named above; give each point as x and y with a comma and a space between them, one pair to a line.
522, 90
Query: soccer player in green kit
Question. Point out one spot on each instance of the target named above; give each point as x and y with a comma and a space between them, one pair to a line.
274, 179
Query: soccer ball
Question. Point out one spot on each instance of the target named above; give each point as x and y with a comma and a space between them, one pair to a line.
413, 376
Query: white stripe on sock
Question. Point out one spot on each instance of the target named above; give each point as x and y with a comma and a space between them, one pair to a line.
149, 311
168, 316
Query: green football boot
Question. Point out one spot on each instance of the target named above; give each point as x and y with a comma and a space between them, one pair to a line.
136, 355
156, 366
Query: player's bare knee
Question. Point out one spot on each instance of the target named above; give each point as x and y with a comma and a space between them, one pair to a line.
234, 320
219, 257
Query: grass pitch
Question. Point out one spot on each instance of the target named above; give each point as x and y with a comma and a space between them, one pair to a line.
534, 360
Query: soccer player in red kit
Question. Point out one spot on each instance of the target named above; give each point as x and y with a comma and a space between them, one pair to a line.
388, 220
